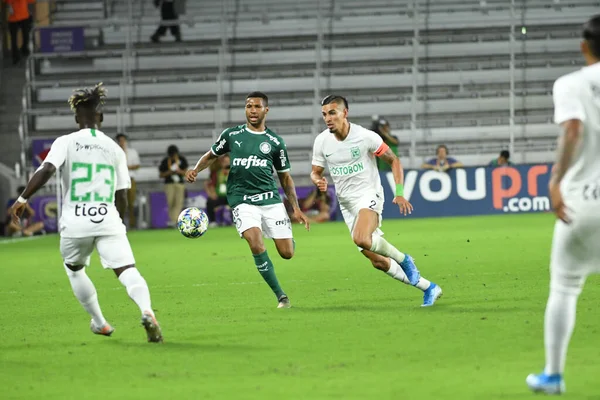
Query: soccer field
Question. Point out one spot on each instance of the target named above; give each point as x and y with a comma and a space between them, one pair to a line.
352, 333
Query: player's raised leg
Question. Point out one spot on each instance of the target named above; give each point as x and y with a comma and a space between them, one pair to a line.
285, 248
76, 255
362, 234
250, 221
278, 226
115, 253
264, 264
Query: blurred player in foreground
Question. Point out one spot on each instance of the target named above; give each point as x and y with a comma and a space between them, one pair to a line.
94, 176
575, 196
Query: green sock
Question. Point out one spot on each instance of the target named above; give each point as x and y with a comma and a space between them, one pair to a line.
267, 271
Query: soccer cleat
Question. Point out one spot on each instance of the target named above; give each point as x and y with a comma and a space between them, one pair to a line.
152, 327
430, 296
549, 384
104, 330
410, 269
284, 302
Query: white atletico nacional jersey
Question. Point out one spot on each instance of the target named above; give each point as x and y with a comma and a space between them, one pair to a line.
577, 96
351, 162
92, 167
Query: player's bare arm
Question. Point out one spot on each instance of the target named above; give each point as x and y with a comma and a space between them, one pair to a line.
39, 179
121, 202
392, 159
316, 175
204, 162
287, 183
572, 130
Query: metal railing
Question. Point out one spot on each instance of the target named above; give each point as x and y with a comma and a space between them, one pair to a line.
322, 16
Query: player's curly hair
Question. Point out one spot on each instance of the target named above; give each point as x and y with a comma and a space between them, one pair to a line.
89, 99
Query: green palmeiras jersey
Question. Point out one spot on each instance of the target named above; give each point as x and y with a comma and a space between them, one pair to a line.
253, 155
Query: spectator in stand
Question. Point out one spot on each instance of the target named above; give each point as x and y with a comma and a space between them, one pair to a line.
172, 170
502, 161
27, 227
316, 206
19, 19
169, 12
382, 127
442, 162
216, 188
133, 164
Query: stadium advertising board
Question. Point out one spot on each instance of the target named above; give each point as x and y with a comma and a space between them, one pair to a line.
39, 150
472, 191
159, 214
46, 211
62, 39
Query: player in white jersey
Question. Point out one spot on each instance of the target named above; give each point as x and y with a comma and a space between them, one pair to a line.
575, 196
349, 151
94, 176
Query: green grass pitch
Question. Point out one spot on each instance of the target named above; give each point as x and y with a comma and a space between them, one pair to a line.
353, 332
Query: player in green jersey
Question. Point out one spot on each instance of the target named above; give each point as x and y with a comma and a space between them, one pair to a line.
252, 193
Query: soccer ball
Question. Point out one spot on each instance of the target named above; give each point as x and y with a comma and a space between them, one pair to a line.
192, 222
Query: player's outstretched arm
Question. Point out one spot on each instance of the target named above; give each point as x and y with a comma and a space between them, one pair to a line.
289, 188
204, 162
39, 179
316, 175
392, 159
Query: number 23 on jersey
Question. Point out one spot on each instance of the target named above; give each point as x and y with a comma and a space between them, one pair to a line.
100, 177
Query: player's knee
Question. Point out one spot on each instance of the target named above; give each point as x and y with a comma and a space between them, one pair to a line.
568, 284
120, 270
286, 253
74, 268
380, 264
362, 241
257, 248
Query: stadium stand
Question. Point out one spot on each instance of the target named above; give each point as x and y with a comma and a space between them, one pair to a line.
460, 74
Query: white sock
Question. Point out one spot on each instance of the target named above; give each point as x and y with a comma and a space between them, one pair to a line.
380, 246
423, 284
137, 289
84, 290
396, 272
558, 327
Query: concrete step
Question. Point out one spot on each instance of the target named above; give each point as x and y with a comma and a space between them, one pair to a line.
12, 83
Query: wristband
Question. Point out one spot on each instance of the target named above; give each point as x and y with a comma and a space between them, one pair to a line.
399, 189
21, 200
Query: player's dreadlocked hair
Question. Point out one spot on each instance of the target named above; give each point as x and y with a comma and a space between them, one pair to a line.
90, 99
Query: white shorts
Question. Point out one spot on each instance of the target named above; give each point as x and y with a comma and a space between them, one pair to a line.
272, 220
114, 251
575, 251
371, 201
